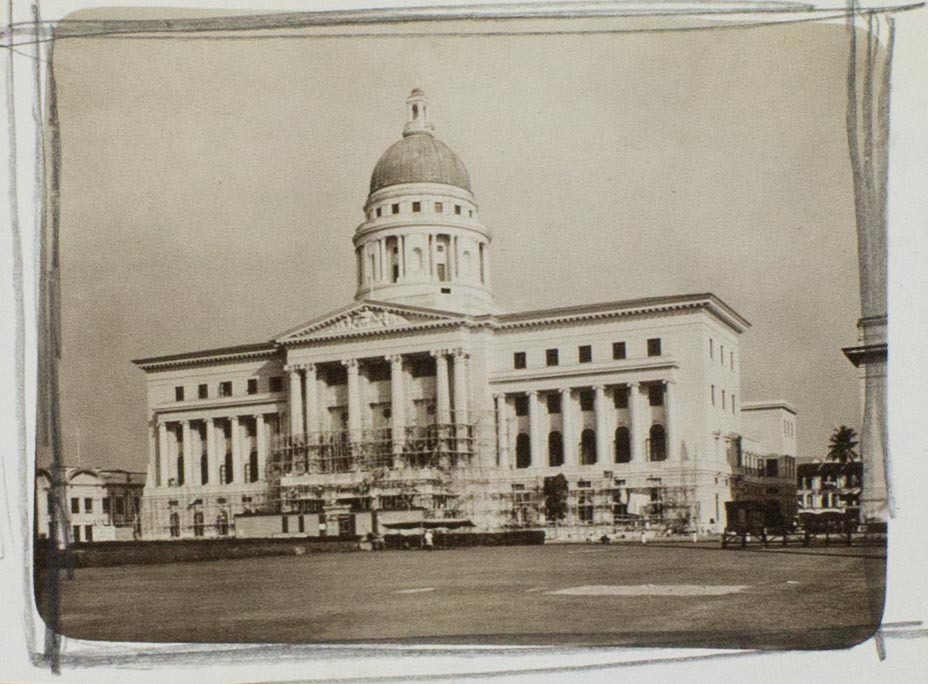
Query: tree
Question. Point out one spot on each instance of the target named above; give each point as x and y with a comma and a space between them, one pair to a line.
841, 445
555, 491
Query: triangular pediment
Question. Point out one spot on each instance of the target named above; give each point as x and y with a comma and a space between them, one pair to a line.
367, 318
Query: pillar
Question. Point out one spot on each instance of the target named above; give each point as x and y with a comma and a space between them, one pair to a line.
236, 451
670, 421
354, 399
567, 428
212, 464
502, 431
151, 476
261, 445
603, 438
397, 402
188, 453
534, 429
296, 402
459, 361
634, 420
164, 455
442, 394
312, 405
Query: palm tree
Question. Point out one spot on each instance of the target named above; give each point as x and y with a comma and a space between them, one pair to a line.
841, 445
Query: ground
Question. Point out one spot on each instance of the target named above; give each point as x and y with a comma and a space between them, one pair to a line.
628, 594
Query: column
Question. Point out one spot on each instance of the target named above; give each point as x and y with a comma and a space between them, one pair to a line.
212, 464
442, 394
603, 433
402, 245
296, 401
534, 429
670, 421
188, 452
236, 451
634, 420
312, 405
151, 476
261, 445
164, 455
459, 361
431, 257
354, 399
502, 431
397, 402
567, 428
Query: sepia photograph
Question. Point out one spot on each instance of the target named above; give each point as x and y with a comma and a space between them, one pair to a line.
536, 330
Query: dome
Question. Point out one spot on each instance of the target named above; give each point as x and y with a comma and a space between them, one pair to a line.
419, 158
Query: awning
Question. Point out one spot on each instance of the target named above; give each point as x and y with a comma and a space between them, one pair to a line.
450, 523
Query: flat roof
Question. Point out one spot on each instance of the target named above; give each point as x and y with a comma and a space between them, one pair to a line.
768, 405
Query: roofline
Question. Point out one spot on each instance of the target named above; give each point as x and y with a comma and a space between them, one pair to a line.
207, 355
772, 404
713, 303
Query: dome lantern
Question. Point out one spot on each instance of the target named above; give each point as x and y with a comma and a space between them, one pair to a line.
417, 120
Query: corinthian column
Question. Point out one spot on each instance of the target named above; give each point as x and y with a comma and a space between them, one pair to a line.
670, 419
602, 425
568, 439
164, 455
188, 453
634, 420
236, 451
502, 433
459, 361
212, 465
296, 401
312, 403
397, 402
442, 395
261, 445
354, 399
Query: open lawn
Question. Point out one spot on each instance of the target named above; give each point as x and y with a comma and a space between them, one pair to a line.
660, 595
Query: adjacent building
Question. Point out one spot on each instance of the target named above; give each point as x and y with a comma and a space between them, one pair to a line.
830, 486
422, 398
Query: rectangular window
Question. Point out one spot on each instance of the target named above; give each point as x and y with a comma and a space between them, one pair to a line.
106, 505
457, 209
178, 394
301, 522
554, 402
618, 350
586, 400
439, 208
656, 394
120, 503
395, 208
416, 207
521, 405
620, 397
75, 504
654, 346
585, 353
518, 360
285, 524
252, 385
225, 389
88, 533
551, 357
379, 212
277, 383
88, 505
470, 213
203, 391
76, 532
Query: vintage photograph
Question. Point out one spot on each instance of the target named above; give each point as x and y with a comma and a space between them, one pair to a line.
535, 331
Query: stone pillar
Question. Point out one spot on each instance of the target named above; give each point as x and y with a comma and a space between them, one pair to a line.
459, 361
670, 421
312, 405
212, 464
568, 438
261, 446
603, 436
151, 475
236, 451
397, 402
188, 452
634, 421
354, 399
164, 455
442, 394
534, 429
502, 431
296, 401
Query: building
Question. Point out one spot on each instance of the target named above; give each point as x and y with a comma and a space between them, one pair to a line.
421, 398
97, 505
830, 486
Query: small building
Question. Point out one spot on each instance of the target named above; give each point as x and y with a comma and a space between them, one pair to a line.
830, 486
97, 505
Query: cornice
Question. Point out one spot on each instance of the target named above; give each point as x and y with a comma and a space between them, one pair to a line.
208, 357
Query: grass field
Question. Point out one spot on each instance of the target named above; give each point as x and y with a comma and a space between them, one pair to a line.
660, 595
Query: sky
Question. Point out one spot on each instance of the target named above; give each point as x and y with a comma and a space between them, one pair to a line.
210, 190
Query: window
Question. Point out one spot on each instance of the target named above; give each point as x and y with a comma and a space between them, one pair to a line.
587, 447
75, 505
225, 389
395, 208
277, 383
555, 448
222, 523
518, 360
521, 404
623, 445
618, 350
470, 213
439, 208
772, 468
301, 524
554, 402
178, 394
106, 505
76, 532
587, 400
198, 524
252, 385
416, 207
656, 394
285, 524
523, 451
585, 508
379, 212
657, 443
203, 391
551, 357
88, 505
88, 533
585, 353
457, 209
654, 346
174, 524
620, 397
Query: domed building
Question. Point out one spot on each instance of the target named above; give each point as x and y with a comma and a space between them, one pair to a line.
420, 404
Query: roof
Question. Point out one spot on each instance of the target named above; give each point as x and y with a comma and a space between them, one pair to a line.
767, 405
242, 351
419, 158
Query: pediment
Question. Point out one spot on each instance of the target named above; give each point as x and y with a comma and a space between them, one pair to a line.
367, 318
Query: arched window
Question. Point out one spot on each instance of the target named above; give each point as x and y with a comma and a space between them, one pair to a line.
623, 445
587, 447
658, 443
523, 451
198, 524
175, 524
555, 449
222, 524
